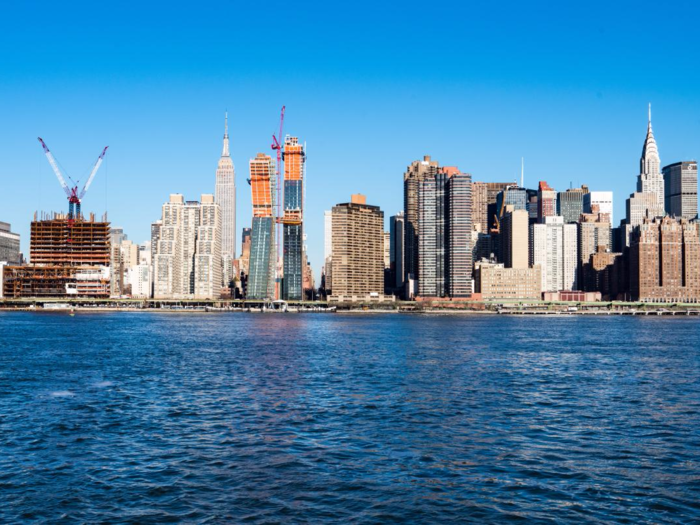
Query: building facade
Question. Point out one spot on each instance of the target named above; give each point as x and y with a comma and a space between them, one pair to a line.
681, 189
9, 245
594, 236
514, 238
396, 251
570, 203
602, 199
546, 201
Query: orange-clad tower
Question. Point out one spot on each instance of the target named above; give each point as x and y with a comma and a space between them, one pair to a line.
261, 280
292, 221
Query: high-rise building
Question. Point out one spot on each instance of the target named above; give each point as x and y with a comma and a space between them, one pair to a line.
418, 171
554, 249
546, 202
432, 235
602, 199
187, 263
650, 179
511, 196
445, 246
594, 234
358, 246
514, 237
225, 197
261, 279
681, 189
9, 245
396, 251
570, 203
665, 261
293, 220
459, 234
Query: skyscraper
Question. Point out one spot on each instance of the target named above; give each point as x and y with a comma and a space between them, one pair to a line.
294, 158
594, 233
414, 175
650, 179
681, 189
9, 245
459, 234
431, 235
261, 280
225, 197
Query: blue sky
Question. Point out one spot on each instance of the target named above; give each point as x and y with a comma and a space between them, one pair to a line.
369, 87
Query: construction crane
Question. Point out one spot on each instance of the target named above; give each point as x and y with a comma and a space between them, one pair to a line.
277, 146
74, 197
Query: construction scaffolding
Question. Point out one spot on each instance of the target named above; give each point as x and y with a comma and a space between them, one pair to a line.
60, 241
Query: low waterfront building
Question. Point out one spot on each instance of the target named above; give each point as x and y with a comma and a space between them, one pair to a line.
494, 281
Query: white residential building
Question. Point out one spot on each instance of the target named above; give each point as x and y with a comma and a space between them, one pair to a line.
187, 263
554, 249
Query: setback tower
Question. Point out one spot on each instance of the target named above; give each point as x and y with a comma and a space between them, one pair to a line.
293, 219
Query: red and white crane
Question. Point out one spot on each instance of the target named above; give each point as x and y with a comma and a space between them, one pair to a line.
74, 197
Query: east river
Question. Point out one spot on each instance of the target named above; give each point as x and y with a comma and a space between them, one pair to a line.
219, 418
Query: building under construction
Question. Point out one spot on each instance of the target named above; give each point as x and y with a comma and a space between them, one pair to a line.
68, 257
292, 221
261, 280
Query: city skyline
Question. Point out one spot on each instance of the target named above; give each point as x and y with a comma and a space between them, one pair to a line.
161, 115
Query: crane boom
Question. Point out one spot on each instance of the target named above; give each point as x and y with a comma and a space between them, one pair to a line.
93, 172
57, 171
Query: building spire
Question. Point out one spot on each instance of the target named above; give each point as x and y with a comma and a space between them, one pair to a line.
649, 114
225, 152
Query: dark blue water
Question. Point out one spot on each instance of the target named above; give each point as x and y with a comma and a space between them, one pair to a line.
148, 417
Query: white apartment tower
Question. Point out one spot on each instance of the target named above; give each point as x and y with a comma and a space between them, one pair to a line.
187, 263
225, 197
650, 179
555, 250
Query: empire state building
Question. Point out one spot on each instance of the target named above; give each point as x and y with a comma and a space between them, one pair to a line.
225, 195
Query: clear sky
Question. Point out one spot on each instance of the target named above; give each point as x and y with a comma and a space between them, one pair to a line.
370, 86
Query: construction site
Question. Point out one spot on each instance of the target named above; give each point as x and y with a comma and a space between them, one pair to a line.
69, 255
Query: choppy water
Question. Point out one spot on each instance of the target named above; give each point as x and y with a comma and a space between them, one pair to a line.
150, 417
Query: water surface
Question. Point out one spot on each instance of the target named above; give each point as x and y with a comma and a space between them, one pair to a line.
148, 417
